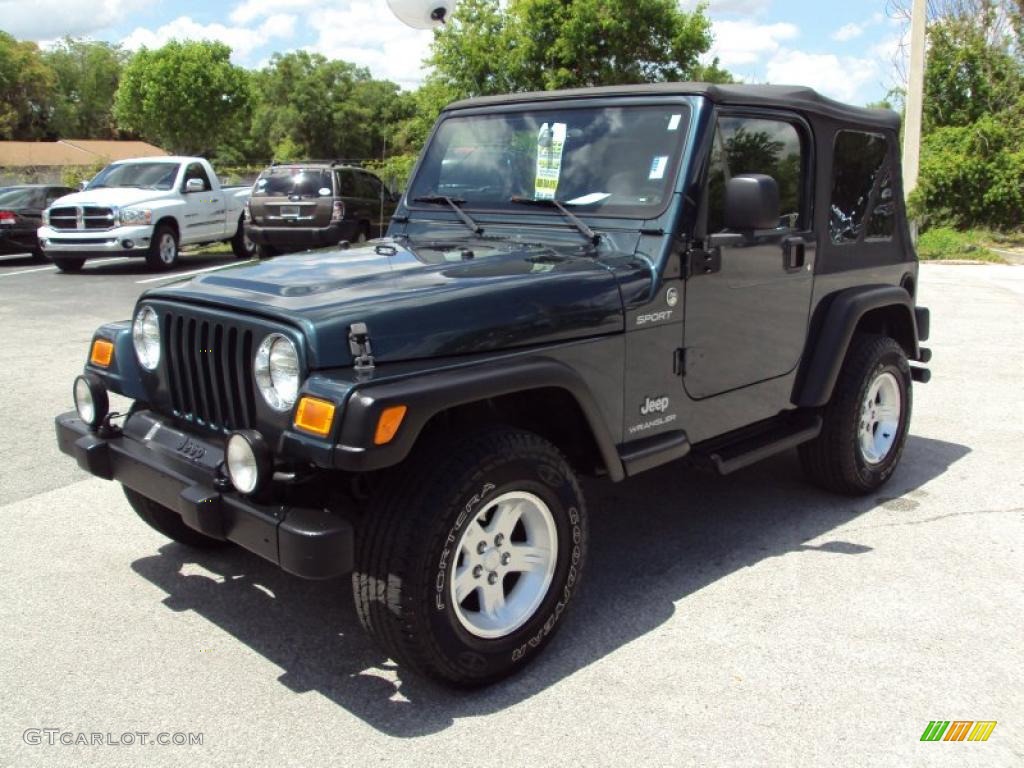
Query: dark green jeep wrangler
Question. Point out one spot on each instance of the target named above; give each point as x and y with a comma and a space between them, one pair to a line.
590, 282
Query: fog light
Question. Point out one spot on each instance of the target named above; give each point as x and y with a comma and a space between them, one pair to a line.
91, 400
248, 461
129, 244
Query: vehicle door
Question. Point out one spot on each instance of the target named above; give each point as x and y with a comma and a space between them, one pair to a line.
748, 301
205, 210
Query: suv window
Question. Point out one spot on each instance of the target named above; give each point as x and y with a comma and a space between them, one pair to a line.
369, 186
862, 196
196, 171
346, 184
757, 145
285, 182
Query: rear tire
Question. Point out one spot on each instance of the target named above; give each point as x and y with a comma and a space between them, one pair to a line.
65, 264
865, 424
241, 245
168, 522
496, 512
163, 248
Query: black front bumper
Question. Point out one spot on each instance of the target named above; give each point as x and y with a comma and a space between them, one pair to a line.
182, 472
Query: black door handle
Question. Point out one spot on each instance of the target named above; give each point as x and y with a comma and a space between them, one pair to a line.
794, 253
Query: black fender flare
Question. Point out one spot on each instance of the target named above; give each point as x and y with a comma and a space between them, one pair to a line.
429, 394
836, 325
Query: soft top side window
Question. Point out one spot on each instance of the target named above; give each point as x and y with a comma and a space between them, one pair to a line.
744, 145
862, 206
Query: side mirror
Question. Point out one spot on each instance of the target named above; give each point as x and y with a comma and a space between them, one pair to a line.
751, 203
82, 185
194, 185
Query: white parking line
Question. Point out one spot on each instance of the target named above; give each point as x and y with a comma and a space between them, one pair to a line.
52, 268
194, 272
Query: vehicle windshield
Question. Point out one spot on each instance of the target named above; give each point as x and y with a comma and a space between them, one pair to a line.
137, 175
285, 182
22, 198
618, 161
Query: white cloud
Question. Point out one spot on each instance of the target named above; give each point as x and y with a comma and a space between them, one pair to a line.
718, 7
841, 77
848, 32
250, 10
739, 43
243, 41
50, 19
367, 34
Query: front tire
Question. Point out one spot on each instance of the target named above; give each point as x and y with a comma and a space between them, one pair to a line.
163, 248
65, 264
465, 568
865, 424
168, 522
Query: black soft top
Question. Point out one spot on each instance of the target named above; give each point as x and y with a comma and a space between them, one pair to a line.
800, 98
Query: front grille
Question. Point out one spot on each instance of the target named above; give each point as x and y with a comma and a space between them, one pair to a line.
82, 217
209, 372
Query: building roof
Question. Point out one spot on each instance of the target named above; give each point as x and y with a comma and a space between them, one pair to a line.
796, 97
25, 154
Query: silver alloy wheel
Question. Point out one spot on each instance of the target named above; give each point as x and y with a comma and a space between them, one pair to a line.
504, 565
880, 418
168, 248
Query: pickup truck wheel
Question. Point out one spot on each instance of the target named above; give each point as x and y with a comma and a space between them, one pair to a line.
364, 233
64, 264
241, 245
163, 248
465, 567
168, 522
865, 423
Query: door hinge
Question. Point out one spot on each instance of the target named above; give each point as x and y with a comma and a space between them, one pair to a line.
679, 362
359, 346
703, 262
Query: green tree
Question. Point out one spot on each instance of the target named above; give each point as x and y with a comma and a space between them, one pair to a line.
87, 76
548, 44
309, 106
26, 90
183, 96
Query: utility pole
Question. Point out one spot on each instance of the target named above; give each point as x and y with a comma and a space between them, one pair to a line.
915, 97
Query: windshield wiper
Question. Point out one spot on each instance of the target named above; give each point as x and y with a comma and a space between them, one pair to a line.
580, 225
455, 204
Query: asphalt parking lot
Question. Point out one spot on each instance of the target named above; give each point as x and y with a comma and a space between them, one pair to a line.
747, 620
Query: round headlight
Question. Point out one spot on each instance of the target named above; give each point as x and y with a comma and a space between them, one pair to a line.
91, 400
248, 461
146, 338
276, 368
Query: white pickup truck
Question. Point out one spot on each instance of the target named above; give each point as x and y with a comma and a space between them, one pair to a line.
146, 207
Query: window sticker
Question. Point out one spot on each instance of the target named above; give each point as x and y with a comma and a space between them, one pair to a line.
673, 124
550, 143
658, 166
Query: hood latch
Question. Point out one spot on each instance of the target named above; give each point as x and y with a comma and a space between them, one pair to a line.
359, 346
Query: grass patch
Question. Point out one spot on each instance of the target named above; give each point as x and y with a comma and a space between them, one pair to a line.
945, 244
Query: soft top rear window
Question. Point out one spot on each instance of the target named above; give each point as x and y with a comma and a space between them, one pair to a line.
286, 182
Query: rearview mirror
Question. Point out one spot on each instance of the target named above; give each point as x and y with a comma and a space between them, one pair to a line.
195, 185
751, 203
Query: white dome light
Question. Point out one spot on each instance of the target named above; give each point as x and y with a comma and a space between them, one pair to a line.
422, 14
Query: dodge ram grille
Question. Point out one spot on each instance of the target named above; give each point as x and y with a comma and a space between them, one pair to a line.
82, 217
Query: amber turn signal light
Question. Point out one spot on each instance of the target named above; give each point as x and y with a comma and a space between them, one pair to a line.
388, 423
315, 416
102, 353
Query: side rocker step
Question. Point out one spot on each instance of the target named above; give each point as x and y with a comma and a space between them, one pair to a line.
744, 452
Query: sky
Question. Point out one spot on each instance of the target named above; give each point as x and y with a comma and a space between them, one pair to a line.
846, 50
